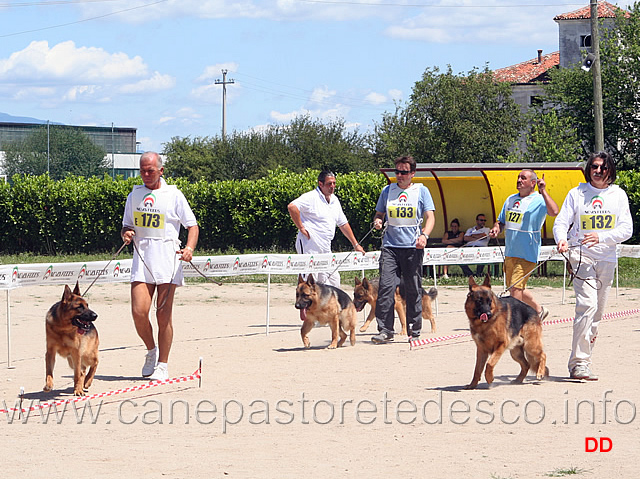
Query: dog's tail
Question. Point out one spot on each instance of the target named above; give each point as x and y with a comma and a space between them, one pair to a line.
432, 293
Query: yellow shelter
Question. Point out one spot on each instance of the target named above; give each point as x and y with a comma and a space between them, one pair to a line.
463, 190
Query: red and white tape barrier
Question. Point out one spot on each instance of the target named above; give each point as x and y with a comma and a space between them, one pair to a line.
418, 343
152, 384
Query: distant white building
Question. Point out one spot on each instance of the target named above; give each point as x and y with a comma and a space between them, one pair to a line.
119, 143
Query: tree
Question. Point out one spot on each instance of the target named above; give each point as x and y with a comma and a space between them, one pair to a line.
454, 119
571, 92
71, 152
551, 138
302, 144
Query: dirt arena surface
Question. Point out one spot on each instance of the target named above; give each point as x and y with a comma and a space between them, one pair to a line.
269, 408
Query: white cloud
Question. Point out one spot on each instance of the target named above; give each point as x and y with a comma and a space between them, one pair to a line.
72, 73
214, 72
321, 94
156, 82
66, 63
376, 98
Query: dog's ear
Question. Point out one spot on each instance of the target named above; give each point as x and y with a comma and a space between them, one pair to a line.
310, 280
472, 283
76, 290
357, 280
66, 295
365, 283
487, 281
300, 279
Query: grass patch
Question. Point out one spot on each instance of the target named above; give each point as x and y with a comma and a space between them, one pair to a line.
571, 471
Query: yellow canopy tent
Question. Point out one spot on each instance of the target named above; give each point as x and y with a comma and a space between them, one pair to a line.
463, 190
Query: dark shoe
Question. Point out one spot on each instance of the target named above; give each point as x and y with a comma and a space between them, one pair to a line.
382, 337
413, 338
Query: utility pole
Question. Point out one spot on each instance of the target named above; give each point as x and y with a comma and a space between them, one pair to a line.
224, 84
597, 79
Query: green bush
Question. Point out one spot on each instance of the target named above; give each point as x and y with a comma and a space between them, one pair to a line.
630, 182
84, 215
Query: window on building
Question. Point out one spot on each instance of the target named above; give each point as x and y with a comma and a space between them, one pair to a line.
585, 41
535, 101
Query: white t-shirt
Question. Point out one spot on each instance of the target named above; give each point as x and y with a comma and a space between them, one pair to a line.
479, 242
320, 218
587, 209
156, 219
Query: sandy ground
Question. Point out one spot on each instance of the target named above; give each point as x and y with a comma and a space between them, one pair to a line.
269, 408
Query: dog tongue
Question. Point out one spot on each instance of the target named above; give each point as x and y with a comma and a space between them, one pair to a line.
303, 314
483, 317
80, 331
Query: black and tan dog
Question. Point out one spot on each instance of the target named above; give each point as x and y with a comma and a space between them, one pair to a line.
366, 292
326, 305
72, 335
498, 324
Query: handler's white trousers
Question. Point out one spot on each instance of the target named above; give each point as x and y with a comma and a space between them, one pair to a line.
591, 284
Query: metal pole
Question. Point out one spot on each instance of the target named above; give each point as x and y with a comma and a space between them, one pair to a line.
48, 148
224, 83
8, 332
268, 304
113, 161
597, 80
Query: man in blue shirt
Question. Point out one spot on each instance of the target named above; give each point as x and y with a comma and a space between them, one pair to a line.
523, 214
410, 217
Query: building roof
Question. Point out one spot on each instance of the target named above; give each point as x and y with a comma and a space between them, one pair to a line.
605, 10
531, 71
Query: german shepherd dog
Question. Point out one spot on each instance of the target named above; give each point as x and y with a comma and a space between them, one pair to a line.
72, 335
498, 324
326, 305
366, 291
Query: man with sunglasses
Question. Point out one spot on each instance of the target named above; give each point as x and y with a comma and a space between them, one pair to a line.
409, 212
316, 214
594, 218
523, 215
477, 235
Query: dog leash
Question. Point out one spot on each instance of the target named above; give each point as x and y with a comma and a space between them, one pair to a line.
103, 269
346, 257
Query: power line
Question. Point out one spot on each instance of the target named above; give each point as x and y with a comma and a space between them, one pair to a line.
305, 94
50, 3
426, 5
82, 21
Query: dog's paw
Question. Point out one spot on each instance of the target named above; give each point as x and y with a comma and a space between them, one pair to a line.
79, 392
363, 328
471, 386
47, 388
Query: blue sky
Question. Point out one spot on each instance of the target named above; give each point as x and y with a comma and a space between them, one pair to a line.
152, 64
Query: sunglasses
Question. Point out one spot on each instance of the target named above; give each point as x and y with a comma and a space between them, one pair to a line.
482, 220
402, 172
602, 167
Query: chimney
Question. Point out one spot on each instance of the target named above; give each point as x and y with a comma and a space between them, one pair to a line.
539, 56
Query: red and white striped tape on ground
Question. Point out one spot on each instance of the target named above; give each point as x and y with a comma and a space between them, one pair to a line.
418, 343
152, 384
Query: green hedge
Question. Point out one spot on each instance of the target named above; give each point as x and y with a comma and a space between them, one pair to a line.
80, 215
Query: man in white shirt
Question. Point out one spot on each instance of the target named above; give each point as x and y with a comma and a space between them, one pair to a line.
316, 215
153, 214
477, 235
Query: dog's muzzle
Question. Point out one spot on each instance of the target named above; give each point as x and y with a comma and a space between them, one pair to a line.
83, 322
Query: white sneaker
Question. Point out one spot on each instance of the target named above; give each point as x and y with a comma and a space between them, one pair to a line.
150, 361
160, 373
